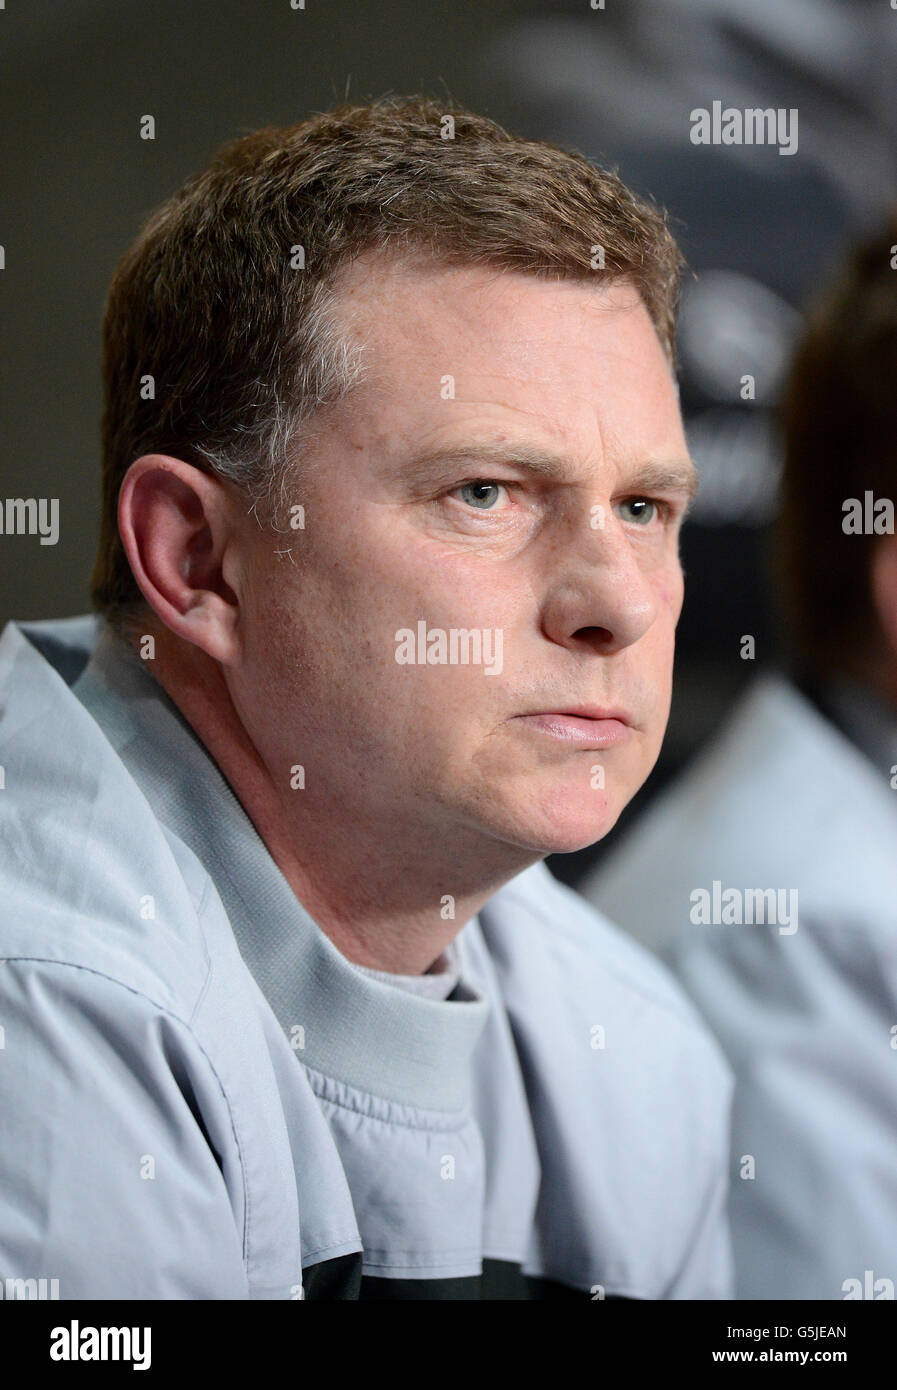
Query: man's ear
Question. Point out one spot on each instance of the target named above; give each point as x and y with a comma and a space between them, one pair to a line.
883, 586
178, 528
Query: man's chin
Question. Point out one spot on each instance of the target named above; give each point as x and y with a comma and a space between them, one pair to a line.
563, 834
572, 841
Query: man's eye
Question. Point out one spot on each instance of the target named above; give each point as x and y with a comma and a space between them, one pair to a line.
641, 510
482, 494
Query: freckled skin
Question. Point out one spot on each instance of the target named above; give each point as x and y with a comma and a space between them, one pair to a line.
419, 780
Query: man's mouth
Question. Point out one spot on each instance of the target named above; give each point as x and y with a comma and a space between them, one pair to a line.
586, 726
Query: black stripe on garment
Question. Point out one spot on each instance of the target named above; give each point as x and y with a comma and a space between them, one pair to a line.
334, 1279
503, 1280
500, 1279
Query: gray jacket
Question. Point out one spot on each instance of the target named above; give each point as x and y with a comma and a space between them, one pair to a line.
202, 1098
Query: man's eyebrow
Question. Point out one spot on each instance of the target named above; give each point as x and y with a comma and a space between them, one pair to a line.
680, 475
677, 475
527, 459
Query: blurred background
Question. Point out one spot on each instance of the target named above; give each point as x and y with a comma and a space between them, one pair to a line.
760, 230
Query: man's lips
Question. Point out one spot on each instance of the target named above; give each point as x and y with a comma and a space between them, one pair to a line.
587, 726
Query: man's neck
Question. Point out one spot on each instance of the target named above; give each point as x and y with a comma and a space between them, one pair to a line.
389, 906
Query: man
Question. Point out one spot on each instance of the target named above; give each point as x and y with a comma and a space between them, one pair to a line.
769, 872
388, 581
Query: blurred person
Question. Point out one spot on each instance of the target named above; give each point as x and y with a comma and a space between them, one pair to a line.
766, 875
292, 1006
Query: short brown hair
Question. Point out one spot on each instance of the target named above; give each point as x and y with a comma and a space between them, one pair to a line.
242, 347
839, 422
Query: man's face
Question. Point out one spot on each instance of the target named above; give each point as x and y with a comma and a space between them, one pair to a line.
423, 519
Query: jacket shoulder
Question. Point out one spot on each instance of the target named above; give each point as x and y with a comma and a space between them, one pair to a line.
89, 876
599, 961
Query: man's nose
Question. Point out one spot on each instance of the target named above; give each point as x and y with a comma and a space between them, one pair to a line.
600, 593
